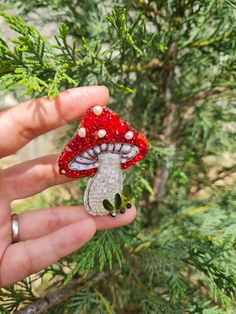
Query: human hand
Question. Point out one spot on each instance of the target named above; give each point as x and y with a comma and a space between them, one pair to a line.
49, 234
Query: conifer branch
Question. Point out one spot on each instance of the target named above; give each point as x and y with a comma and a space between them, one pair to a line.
161, 175
154, 64
210, 41
225, 173
151, 8
205, 94
61, 294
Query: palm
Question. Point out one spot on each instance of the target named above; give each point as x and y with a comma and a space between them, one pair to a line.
49, 234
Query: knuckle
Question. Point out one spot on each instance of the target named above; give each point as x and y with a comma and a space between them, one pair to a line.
48, 176
54, 173
27, 261
54, 220
57, 247
24, 130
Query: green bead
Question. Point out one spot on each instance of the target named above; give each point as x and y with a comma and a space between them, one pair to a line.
122, 210
128, 205
117, 201
108, 205
126, 192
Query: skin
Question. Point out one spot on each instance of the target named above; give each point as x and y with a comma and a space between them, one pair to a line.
49, 234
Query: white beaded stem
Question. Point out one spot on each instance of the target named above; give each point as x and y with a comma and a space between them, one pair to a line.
97, 110
101, 133
129, 135
81, 132
104, 185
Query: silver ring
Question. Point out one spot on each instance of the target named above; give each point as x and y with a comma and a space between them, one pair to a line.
15, 228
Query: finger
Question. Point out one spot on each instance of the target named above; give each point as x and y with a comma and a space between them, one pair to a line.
31, 177
28, 257
34, 117
38, 223
5, 226
108, 222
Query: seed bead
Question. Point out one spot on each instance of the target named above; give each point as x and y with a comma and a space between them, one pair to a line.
129, 135
101, 133
82, 132
97, 110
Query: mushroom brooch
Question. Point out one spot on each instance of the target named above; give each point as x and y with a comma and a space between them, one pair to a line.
101, 148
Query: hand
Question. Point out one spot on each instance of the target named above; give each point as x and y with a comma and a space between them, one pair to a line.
49, 234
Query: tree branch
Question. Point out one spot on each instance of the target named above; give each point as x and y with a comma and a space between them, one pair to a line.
151, 8
209, 42
162, 174
153, 64
60, 295
221, 176
205, 94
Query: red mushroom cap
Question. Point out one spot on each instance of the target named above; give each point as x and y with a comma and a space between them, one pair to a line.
99, 128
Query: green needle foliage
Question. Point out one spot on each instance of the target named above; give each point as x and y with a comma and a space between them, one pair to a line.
170, 68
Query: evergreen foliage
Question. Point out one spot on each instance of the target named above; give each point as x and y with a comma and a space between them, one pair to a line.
170, 68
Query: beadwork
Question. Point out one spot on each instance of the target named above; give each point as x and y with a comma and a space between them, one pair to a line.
101, 132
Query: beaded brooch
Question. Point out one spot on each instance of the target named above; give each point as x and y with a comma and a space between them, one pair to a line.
102, 146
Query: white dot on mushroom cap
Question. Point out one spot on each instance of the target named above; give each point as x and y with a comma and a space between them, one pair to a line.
97, 110
101, 133
82, 132
129, 135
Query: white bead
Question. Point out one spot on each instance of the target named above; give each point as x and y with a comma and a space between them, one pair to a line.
101, 133
97, 110
63, 171
129, 135
82, 132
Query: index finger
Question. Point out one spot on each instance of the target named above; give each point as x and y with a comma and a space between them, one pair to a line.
22, 123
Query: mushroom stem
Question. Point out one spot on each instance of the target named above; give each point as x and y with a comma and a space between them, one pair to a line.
104, 184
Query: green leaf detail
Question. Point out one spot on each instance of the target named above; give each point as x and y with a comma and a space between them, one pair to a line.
127, 192
108, 205
117, 201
